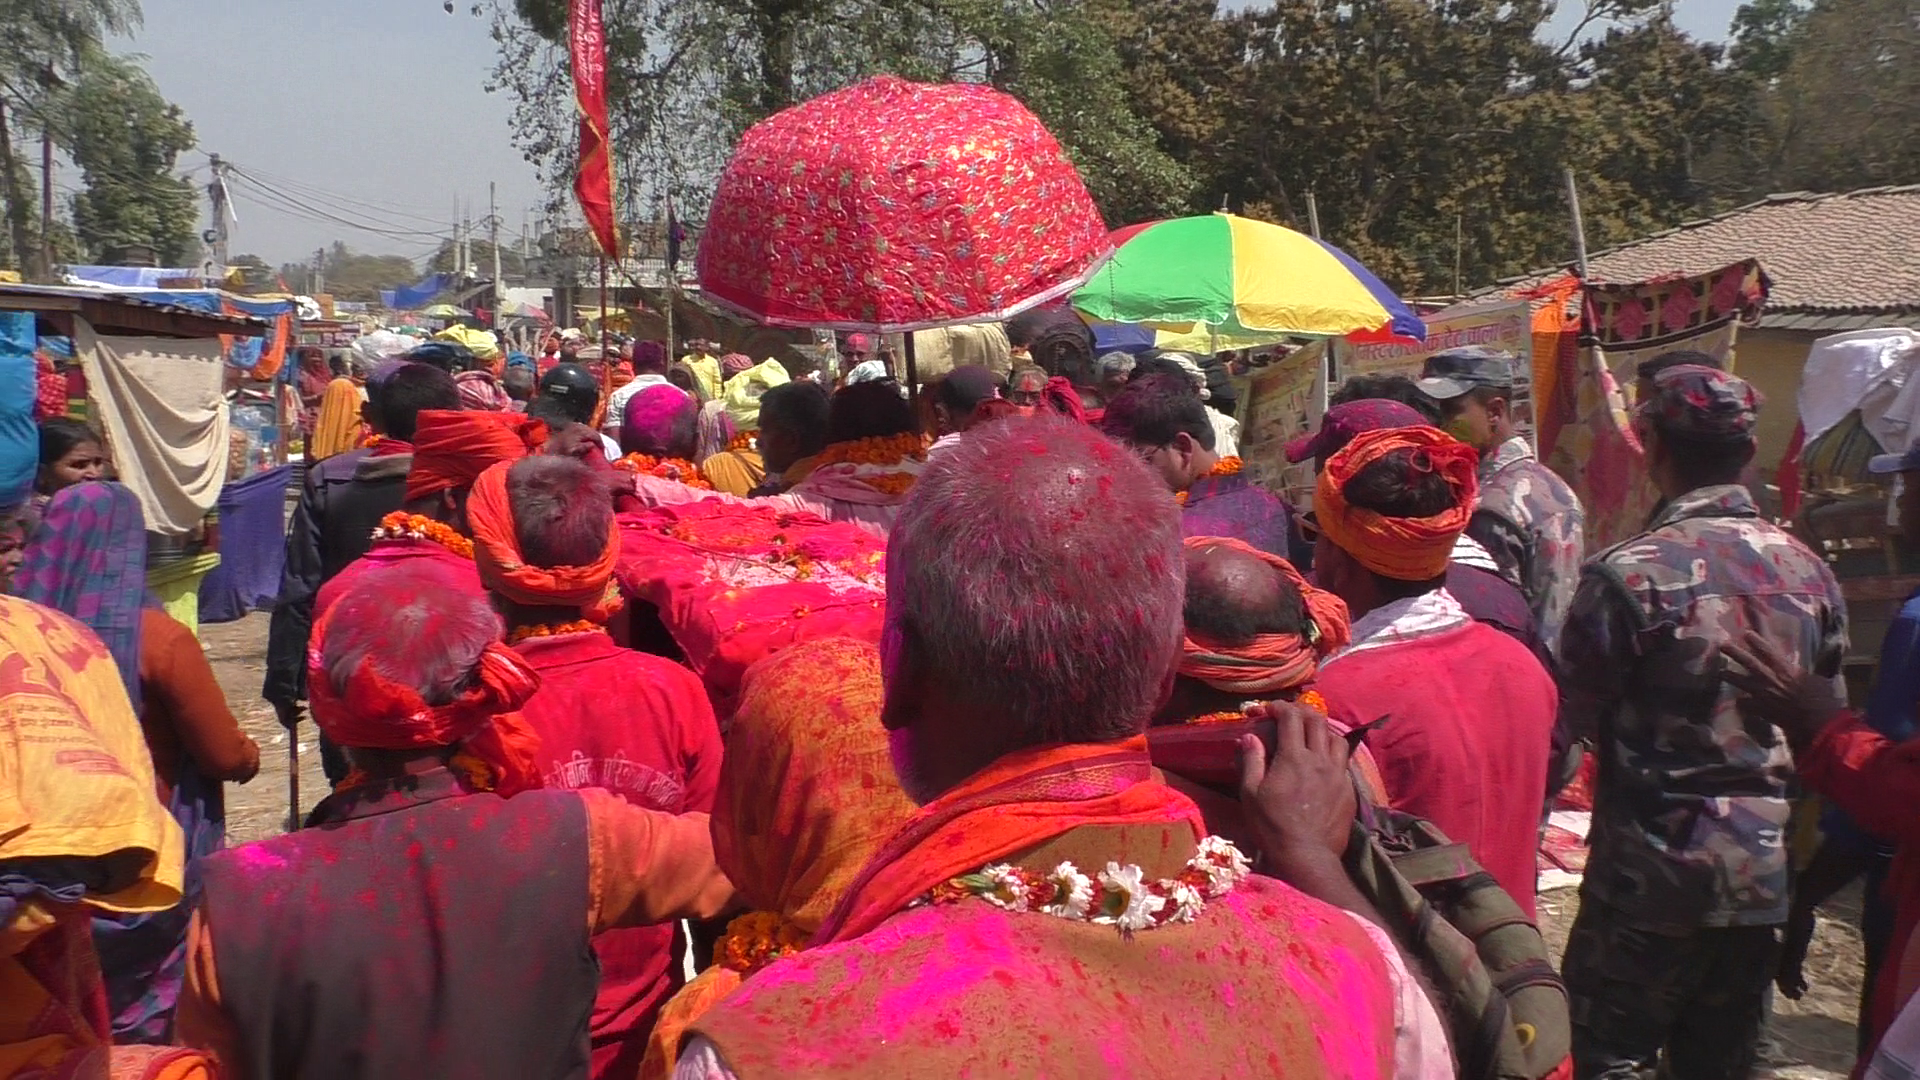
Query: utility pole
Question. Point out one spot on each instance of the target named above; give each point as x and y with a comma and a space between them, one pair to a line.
1579, 224
493, 241
466, 249
319, 283
217, 197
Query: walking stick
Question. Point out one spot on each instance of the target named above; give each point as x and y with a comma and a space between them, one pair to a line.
293, 778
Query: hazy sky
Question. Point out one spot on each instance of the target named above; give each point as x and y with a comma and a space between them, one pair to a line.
379, 102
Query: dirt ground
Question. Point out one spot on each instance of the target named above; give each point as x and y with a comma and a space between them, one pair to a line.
1812, 1039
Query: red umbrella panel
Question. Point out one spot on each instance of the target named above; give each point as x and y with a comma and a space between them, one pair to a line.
894, 206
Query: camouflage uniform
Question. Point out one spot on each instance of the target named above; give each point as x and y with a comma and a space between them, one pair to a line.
1686, 884
1534, 526
1528, 517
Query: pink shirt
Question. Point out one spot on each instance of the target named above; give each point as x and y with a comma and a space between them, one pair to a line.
1469, 723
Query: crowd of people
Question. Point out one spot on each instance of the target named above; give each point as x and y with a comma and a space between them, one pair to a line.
1095, 801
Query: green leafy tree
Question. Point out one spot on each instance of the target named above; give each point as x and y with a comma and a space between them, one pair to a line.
443, 260
1763, 33
126, 140
351, 275
43, 44
686, 76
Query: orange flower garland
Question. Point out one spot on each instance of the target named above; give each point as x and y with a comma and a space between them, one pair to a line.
874, 450
1226, 466
757, 939
679, 470
743, 441
1312, 699
540, 630
401, 525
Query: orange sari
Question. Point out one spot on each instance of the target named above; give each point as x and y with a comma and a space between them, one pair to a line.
337, 428
807, 796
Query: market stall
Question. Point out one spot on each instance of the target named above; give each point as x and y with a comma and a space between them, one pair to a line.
155, 378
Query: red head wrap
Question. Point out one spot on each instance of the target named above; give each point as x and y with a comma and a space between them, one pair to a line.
496, 550
377, 713
1270, 662
451, 447
1404, 549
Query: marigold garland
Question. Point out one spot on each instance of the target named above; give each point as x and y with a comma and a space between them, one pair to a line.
743, 441
890, 484
401, 525
758, 938
1119, 896
1312, 699
1226, 466
540, 630
874, 450
679, 470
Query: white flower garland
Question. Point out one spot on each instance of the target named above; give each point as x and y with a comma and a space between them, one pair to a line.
1119, 896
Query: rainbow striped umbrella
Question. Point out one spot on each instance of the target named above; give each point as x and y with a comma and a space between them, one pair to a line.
1237, 276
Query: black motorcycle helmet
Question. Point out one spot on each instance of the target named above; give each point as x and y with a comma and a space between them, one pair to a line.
448, 356
574, 387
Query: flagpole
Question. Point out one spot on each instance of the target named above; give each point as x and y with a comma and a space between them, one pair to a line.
606, 357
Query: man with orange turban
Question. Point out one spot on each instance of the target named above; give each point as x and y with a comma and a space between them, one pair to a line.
639, 726
1465, 712
1256, 629
431, 927
450, 449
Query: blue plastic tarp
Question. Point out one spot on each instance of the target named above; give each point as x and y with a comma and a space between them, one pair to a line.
419, 294
130, 277
19, 437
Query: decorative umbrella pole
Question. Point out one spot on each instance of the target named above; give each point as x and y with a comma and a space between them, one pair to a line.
894, 206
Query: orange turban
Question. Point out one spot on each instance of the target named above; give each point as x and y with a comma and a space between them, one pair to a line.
377, 713
1404, 549
1270, 662
496, 551
451, 447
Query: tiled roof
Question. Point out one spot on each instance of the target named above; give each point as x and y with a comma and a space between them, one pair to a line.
1836, 256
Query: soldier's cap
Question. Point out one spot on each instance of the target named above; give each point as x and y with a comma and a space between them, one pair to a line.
1455, 372
1893, 463
1343, 422
1694, 402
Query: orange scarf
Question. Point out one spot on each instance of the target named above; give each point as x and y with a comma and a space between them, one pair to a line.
376, 713
1270, 662
1022, 800
496, 551
1404, 549
452, 446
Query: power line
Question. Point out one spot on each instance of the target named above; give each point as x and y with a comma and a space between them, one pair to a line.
396, 214
271, 198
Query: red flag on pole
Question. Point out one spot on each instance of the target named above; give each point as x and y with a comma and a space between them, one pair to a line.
593, 182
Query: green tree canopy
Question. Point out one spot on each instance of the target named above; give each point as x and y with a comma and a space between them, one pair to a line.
126, 139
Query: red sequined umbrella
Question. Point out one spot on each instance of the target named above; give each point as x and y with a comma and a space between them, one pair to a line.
895, 205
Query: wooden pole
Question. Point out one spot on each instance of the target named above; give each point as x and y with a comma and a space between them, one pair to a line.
1313, 215
913, 374
606, 357
1579, 225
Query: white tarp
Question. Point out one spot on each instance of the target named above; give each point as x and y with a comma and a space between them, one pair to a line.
1869, 370
160, 403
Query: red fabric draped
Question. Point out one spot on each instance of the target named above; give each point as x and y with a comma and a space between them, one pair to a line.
1269, 662
451, 447
1404, 549
1024, 799
496, 550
